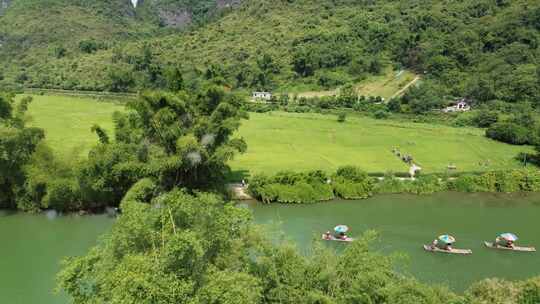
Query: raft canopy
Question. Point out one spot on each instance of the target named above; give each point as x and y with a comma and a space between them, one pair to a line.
509, 236
341, 229
448, 239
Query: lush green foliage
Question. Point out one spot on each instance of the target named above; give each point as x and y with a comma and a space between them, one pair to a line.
182, 138
352, 183
177, 248
485, 50
17, 144
518, 129
300, 188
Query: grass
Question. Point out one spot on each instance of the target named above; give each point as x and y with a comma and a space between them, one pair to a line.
286, 141
385, 85
67, 121
279, 141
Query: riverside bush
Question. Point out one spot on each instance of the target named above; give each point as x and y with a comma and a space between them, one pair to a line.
301, 188
290, 187
62, 195
352, 183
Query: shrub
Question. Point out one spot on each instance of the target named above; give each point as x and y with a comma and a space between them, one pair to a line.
351, 190
342, 117
485, 119
352, 183
390, 184
381, 114
351, 173
88, 46
394, 105
530, 291
427, 185
62, 195
463, 183
291, 187
509, 132
298, 193
142, 191
492, 291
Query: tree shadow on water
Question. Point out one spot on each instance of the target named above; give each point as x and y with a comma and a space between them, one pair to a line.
6, 212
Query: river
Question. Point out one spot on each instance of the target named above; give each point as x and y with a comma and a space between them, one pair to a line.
34, 245
405, 222
32, 248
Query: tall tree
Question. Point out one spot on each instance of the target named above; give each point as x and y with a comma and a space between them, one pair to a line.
17, 143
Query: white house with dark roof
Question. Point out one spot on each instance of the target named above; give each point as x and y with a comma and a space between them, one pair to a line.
266, 96
461, 105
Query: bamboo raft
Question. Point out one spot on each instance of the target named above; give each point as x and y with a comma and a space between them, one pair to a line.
453, 251
333, 238
515, 248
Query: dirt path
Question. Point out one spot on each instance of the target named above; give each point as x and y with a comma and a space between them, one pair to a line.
239, 192
402, 90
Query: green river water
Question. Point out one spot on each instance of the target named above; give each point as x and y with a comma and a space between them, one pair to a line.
32, 248
406, 222
33, 245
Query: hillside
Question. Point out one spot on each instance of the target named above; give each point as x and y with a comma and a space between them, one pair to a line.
42, 40
485, 50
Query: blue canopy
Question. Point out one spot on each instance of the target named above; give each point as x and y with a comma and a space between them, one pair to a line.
509, 236
341, 229
448, 239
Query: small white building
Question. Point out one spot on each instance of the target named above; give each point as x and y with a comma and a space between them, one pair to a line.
261, 96
459, 106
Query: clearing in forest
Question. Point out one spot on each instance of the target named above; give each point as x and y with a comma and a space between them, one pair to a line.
389, 84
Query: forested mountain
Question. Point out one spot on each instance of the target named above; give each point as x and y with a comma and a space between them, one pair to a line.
486, 50
42, 42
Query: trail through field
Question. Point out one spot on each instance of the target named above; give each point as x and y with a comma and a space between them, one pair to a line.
387, 85
405, 88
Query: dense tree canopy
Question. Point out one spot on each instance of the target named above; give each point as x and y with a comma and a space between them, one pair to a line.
179, 139
17, 144
485, 50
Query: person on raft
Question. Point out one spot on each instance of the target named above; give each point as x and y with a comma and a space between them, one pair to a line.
342, 236
445, 246
327, 235
508, 243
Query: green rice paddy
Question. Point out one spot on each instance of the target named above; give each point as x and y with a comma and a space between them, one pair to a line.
286, 141
67, 121
278, 141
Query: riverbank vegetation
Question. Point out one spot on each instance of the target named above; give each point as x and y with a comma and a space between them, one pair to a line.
182, 138
352, 183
